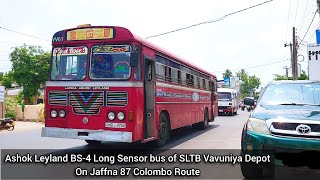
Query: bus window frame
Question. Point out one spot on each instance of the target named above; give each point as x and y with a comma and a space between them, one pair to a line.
111, 79
66, 46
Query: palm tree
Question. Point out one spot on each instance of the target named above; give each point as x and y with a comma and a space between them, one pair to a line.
227, 74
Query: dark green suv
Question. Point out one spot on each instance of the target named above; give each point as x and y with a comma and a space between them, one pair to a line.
285, 125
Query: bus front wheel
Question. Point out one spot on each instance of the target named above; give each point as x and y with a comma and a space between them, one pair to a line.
163, 131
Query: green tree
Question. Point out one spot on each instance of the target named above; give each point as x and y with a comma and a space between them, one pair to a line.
249, 84
11, 107
243, 75
227, 74
30, 65
7, 79
253, 83
303, 76
1, 76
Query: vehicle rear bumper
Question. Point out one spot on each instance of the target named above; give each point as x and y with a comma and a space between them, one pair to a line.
225, 110
98, 135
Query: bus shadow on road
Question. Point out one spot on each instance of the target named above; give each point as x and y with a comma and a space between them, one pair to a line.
178, 136
184, 134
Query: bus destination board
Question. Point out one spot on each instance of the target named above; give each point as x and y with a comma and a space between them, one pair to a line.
90, 33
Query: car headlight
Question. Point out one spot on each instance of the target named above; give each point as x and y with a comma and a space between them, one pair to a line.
54, 113
120, 116
62, 113
257, 125
111, 116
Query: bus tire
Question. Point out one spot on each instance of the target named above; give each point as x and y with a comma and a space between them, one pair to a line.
163, 131
93, 142
202, 125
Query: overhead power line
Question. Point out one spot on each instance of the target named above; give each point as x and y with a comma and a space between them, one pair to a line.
211, 21
308, 27
24, 34
288, 19
256, 66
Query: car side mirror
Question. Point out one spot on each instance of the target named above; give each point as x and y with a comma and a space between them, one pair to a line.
249, 101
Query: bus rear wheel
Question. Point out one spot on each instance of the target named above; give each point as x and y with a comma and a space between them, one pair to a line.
93, 142
163, 131
202, 125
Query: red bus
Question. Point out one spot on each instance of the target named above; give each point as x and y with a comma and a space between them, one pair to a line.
107, 84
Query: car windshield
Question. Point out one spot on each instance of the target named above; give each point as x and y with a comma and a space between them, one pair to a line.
110, 62
69, 63
291, 94
224, 96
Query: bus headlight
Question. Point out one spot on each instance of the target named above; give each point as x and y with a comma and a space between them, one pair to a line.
120, 116
54, 113
62, 113
258, 125
111, 116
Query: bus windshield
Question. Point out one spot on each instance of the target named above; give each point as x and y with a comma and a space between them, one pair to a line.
110, 62
69, 63
224, 96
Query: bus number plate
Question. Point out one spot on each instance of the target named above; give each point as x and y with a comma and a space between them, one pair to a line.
116, 125
220, 110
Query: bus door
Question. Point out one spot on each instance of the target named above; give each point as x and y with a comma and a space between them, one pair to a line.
149, 98
214, 99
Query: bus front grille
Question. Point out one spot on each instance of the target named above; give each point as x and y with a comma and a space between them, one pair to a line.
87, 102
58, 98
119, 99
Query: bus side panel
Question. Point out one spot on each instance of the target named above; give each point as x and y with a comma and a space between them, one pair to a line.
166, 101
138, 110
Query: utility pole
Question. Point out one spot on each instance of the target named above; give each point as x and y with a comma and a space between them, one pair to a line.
291, 54
294, 56
287, 73
318, 2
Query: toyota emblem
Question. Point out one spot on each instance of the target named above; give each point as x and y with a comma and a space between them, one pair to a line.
85, 120
303, 129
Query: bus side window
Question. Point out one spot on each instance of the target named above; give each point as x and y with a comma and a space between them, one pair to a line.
195, 81
183, 78
149, 72
169, 74
174, 76
137, 72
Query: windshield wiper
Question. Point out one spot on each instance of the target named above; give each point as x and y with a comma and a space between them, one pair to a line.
299, 104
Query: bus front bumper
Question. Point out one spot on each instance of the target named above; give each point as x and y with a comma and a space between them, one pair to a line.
85, 134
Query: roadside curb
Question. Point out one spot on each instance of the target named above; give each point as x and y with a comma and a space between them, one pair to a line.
30, 120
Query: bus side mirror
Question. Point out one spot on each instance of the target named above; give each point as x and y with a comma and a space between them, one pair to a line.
135, 56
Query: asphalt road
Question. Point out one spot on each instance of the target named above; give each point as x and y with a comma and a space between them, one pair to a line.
223, 133
222, 136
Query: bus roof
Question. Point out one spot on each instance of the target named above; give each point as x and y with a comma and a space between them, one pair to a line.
127, 35
226, 90
171, 55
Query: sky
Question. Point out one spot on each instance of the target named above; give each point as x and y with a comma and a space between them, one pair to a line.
252, 40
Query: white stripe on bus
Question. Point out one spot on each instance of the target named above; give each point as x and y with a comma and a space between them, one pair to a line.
160, 84
95, 83
183, 103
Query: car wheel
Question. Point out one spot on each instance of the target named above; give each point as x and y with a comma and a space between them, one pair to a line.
250, 171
